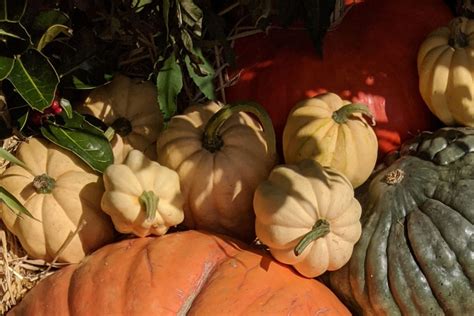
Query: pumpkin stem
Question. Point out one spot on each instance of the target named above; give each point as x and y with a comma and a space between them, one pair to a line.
320, 229
150, 201
211, 138
342, 115
109, 133
44, 184
122, 126
457, 38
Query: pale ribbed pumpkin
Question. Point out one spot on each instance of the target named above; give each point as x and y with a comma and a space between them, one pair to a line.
335, 133
131, 108
63, 194
308, 217
221, 154
445, 68
141, 196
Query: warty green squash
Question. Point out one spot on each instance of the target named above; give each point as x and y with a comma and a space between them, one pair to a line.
416, 252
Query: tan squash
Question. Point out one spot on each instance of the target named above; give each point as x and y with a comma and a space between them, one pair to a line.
335, 133
445, 66
64, 195
130, 107
141, 196
221, 154
308, 217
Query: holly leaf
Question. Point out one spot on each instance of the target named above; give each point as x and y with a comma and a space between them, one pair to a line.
14, 39
46, 19
35, 79
169, 84
6, 65
83, 139
202, 74
51, 33
6, 155
12, 10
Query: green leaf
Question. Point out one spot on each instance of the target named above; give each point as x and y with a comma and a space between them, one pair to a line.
139, 4
192, 16
12, 10
187, 40
46, 19
22, 120
166, 12
13, 204
51, 33
14, 39
35, 79
203, 79
94, 149
169, 84
6, 65
67, 107
9, 157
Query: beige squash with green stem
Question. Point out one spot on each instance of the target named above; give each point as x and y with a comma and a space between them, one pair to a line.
221, 154
63, 194
445, 67
333, 132
131, 108
308, 217
141, 196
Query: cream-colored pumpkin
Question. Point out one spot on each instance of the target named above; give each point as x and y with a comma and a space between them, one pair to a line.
131, 107
445, 67
333, 132
308, 217
141, 196
219, 164
73, 200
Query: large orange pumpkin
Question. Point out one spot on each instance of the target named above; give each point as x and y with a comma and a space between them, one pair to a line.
370, 58
186, 273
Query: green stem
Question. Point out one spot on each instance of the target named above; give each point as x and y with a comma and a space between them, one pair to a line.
342, 115
320, 229
212, 140
457, 38
44, 184
150, 201
109, 133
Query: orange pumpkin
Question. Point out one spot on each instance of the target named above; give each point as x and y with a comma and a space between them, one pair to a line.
186, 273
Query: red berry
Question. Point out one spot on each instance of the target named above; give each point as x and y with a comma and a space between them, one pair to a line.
36, 118
55, 104
57, 110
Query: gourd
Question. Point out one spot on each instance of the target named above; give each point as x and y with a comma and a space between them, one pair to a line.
141, 196
131, 108
374, 65
335, 133
416, 255
306, 214
63, 194
221, 154
445, 70
185, 273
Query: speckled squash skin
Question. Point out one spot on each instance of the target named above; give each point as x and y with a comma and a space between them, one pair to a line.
416, 252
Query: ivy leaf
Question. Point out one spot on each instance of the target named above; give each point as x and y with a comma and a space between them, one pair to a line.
35, 79
12, 10
13, 204
169, 83
81, 138
51, 33
204, 78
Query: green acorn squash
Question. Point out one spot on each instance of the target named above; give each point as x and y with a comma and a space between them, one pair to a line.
416, 252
